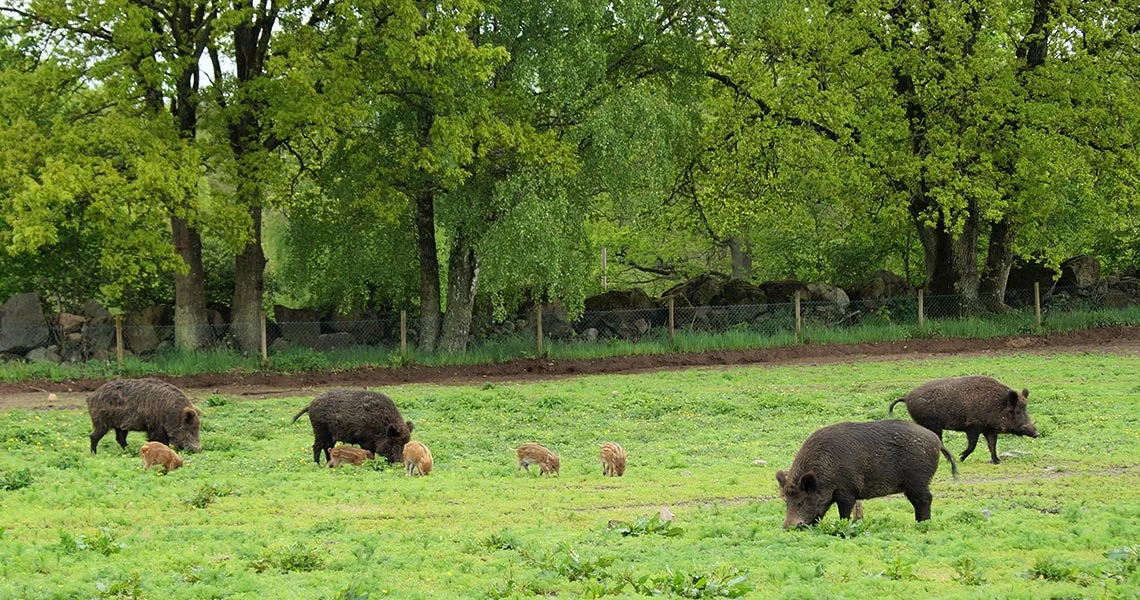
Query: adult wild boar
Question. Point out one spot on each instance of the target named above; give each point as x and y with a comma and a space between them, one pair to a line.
367, 419
150, 405
847, 462
975, 404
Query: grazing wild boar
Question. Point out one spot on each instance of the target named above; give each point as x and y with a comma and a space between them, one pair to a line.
158, 453
347, 454
417, 458
613, 460
847, 462
531, 453
367, 419
150, 405
974, 404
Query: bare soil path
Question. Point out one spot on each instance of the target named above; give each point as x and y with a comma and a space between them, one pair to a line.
71, 394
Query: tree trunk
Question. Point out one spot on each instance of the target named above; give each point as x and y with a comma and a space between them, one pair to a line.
249, 286
429, 270
999, 259
951, 263
741, 252
190, 324
462, 282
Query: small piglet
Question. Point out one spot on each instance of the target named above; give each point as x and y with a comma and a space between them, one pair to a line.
613, 460
348, 454
531, 453
847, 462
417, 458
153, 453
975, 404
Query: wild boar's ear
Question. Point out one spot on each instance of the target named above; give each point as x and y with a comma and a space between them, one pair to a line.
410, 426
808, 482
189, 416
1013, 398
1025, 393
392, 431
781, 478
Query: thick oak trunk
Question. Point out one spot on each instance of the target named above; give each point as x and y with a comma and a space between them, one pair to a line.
741, 253
429, 271
462, 282
249, 288
190, 324
995, 274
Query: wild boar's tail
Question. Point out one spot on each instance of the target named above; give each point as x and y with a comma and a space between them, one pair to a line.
298, 415
950, 457
891, 410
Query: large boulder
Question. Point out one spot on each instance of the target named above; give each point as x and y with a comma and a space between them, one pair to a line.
737, 292
702, 290
144, 330
826, 301
99, 331
22, 324
635, 298
1122, 291
1022, 276
882, 285
555, 322
302, 326
783, 291
1080, 272
332, 341
42, 355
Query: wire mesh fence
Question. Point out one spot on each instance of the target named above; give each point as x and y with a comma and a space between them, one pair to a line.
73, 339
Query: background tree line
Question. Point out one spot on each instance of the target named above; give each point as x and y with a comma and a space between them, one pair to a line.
453, 155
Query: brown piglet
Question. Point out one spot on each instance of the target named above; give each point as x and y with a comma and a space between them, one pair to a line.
531, 453
348, 454
417, 458
613, 460
158, 453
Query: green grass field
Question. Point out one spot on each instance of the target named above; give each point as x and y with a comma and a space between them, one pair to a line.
253, 517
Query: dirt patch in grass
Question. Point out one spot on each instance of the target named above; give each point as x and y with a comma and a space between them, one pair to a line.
71, 394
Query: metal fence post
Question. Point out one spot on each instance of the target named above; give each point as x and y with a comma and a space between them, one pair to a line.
921, 311
538, 325
671, 330
799, 321
119, 339
1037, 301
403, 332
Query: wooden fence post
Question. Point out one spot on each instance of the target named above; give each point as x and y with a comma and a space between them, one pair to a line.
403, 332
921, 311
264, 340
799, 321
671, 319
538, 325
119, 338
1037, 301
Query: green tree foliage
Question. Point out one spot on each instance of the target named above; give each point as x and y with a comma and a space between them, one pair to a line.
82, 183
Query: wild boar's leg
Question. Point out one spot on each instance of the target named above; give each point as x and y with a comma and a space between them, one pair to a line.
972, 441
921, 500
121, 437
97, 435
991, 441
845, 506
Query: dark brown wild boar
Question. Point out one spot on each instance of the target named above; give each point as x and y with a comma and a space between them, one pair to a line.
975, 404
150, 405
368, 419
847, 462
